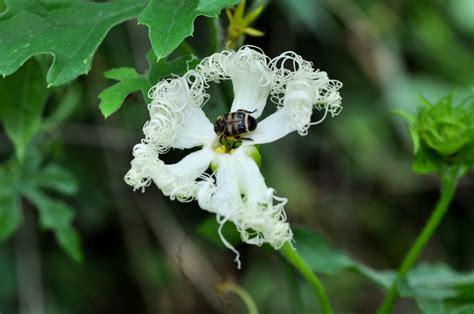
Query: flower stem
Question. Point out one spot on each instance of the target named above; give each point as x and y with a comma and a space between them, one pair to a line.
297, 261
448, 188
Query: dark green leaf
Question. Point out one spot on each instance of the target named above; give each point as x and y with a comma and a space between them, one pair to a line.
70, 31
318, 254
69, 240
10, 210
57, 216
432, 286
22, 101
112, 97
57, 178
324, 259
435, 286
54, 214
463, 309
430, 306
212, 8
171, 21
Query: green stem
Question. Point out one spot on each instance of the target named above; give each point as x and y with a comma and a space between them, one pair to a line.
186, 49
242, 293
214, 35
448, 188
297, 261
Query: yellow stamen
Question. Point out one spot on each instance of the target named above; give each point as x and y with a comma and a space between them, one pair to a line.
221, 149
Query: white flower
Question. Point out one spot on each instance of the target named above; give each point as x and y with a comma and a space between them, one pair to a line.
236, 191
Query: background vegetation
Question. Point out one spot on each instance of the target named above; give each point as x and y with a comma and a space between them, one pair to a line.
349, 182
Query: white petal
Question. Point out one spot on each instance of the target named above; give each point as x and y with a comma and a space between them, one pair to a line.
175, 180
144, 163
251, 77
251, 80
176, 117
196, 129
298, 88
241, 196
272, 128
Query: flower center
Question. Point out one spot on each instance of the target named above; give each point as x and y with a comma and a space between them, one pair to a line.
227, 145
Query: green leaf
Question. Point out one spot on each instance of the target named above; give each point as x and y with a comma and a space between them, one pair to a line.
436, 286
130, 81
57, 216
69, 30
324, 259
318, 254
54, 214
69, 240
57, 178
463, 309
10, 210
171, 21
22, 97
212, 8
112, 97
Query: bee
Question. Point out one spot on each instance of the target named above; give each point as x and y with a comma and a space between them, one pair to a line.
235, 124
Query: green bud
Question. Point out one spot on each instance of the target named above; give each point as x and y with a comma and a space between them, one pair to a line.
254, 153
442, 134
213, 166
446, 128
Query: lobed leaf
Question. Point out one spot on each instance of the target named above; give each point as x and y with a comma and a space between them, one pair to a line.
171, 21
68, 30
112, 97
435, 288
54, 214
130, 81
57, 216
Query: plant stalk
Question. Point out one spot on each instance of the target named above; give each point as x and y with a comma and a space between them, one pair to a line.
297, 261
230, 286
448, 188
215, 36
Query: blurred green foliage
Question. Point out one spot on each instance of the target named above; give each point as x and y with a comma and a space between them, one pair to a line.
349, 181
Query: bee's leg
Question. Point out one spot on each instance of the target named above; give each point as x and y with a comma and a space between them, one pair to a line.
246, 138
220, 139
246, 111
227, 142
235, 142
